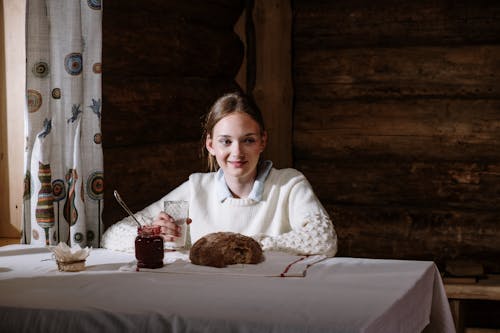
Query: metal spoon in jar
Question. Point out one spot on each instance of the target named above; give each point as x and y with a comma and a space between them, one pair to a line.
122, 203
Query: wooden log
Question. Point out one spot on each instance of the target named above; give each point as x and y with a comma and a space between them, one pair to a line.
459, 72
333, 145
346, 23
462, 130
157, 109
143, 174
417, 233
215, 13
456, 185
464, 269
171, 48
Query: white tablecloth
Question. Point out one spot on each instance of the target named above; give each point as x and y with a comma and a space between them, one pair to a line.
334, 295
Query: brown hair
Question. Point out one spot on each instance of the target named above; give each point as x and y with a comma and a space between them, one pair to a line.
223, 107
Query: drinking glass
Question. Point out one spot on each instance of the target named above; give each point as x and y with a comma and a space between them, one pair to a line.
178, 209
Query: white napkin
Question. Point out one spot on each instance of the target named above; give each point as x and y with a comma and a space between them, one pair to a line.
276, 264
64, 253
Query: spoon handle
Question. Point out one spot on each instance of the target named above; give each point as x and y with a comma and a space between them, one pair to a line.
124, 206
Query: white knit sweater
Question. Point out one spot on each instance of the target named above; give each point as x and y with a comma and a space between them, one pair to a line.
288, 218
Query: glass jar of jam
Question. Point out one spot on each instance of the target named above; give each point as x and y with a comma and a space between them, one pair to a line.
149, 247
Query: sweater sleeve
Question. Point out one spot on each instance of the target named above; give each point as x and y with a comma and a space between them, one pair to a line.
121, 235
312, 230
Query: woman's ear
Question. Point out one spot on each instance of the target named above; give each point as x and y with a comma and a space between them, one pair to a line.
263, 141
209, 145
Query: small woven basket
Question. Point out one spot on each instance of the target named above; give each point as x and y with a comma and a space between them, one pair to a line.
71, 266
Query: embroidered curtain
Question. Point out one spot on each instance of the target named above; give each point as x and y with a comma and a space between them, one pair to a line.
63, 158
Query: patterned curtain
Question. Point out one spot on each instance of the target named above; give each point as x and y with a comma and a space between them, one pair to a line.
63, 185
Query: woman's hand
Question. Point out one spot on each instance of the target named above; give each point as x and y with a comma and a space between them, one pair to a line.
169, 230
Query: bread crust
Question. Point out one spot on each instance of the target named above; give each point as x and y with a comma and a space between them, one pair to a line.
220, 249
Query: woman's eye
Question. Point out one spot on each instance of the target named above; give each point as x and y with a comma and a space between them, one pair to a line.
249, 140
225, 142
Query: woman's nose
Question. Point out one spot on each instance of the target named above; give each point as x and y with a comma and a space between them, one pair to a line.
236, 149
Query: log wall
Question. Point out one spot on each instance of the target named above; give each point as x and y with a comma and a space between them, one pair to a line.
397, 124
396, 116
165, 62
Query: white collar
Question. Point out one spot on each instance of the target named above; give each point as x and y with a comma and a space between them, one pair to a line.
263, 170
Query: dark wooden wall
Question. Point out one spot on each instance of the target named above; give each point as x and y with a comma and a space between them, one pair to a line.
396, 116
397, 124
164, 63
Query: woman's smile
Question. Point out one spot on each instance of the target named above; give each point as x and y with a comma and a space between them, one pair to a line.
237, 164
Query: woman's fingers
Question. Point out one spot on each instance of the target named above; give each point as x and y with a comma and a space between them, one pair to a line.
168, 226
167, 238
163, 220
173, 230
163, 217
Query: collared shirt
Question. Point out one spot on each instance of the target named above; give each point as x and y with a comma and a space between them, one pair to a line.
263, 170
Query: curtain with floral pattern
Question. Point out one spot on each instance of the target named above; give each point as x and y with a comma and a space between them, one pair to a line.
63, 185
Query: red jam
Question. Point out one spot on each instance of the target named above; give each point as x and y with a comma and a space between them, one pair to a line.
149, 247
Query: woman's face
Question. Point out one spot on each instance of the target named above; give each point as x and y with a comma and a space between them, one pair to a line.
236, 143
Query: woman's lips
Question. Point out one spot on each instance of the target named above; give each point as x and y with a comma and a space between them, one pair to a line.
237, 164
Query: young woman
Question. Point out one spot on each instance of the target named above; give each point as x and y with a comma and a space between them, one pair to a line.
242, 194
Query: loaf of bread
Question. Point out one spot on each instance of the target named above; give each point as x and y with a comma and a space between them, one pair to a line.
225, 248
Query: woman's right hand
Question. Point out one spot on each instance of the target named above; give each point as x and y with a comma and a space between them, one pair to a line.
169, 230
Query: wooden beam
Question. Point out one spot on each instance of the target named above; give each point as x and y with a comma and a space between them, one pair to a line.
457, 311
273, 90
489, 292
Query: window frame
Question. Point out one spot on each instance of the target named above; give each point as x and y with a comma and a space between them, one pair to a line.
12, 108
